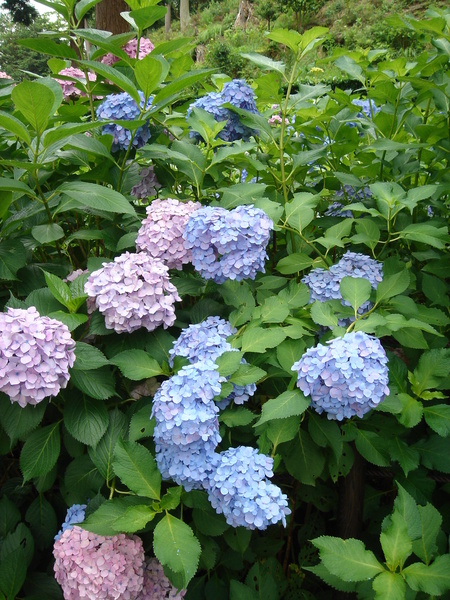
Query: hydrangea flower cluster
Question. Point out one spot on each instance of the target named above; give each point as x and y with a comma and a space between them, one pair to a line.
238, 487
123, 107
161, 233
4, 75
96, 567
347, 377
228, 244
337, 208
36, 354
156, 585
133, 291
207, 341
368, 108
75, 514
237, 93
325, 284
69, 88
145, 47
187, 428
148, 184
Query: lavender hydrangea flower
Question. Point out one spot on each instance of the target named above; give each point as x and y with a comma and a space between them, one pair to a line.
239, 488
337, 208
75, 514
240, 95
92, 566
228, 244
156, 585
346, 378
36, 354
134, 291
368, 108
123, 107
68, 86
145, 47
187, 428
161, 233
207, 341
148, 185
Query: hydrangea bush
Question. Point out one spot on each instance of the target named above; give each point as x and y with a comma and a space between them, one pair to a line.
224, 323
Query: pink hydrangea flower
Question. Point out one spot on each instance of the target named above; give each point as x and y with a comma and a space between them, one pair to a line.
4, 75
69, 88
145, 47
134, 291
161, 233
98, 568
35, 355
156, 584
148, 184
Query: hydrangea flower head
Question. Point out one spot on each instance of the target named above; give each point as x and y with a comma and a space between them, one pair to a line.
228, 244
4, 75
156, 584
92, 566
75, 514
123, 107
134, 291
239, 487
161, 233
240, 95
351, 194
346, 378
148, 185
68, 86
145, 47
36, 354
368, 108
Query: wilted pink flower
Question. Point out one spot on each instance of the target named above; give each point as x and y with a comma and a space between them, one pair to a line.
134, 291
35, 355
161, 233
98, 568
145, 47
156, 584
69, 88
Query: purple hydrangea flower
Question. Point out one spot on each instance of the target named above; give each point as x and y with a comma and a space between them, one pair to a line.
337, 209
240, 95
368, 108
36, 354
148, 185
156, 585
207, 341
92, 566
68, 86
161, 233
228, 244
239, 487
347, 377
145, 47
75, 514
187, 428
123, 107
134, 291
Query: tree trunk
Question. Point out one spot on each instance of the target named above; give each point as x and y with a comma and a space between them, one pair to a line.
168, 20
244, 14
184, 15
107, 16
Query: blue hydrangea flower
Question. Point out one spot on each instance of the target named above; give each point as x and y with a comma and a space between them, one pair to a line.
75, 514
186, 423
346, 378
239, 488
337, 209
123, 107
207, 341
237, 93
350, 194
228, 244
368, 109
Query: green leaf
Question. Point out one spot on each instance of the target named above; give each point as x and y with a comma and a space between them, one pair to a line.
407, 457
372, 447
298, 216
43, 523
9, 516
438, 418
134, 518
323, 314
274, 310
433, 366
71, 320
294, 263
15, 126
36, 102
282, 430
40, 452
236, 417
389, 586
430, 522
98, 384
258, 339
411, 338
347, 559
434, 453
326, 433
348, 65
103, 454
88, 357
412, 411
91, 195
303, 458
148, 72
228, 363
136, 364
247, 374
86, 419
60, 290
355, 290
288, 404
395, 542
112, 74
12, 258
145, 17
18, 421
13, 570
47, 46
392, 285
141, 426
84, 6
286, 37
102, 520
437, 237
137, 469
264, 62
164, 96
176, 547
46, 234
433, 579
289, 352
81, 481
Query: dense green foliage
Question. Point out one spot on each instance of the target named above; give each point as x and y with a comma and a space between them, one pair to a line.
66, 204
